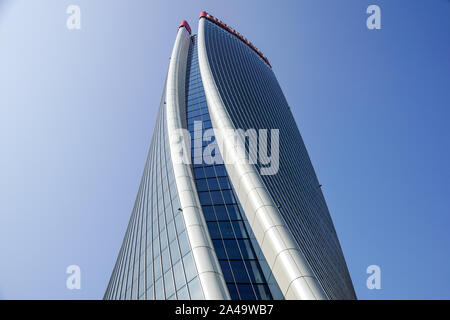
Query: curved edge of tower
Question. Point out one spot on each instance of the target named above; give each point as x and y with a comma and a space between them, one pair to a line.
210, 274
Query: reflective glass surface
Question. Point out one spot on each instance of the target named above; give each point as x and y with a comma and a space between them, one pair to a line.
254, 100
237, 258
155, 261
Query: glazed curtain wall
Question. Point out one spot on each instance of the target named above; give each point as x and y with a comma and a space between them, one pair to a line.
155, 261
253, 98
232, 243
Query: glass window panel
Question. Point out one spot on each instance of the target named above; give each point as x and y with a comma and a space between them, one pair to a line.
174, 251
208, 212
247, 249
209, 172
254, 271
232, 249
205, 198
221, 212
226, 270
189, 267
233, 292
213, 230
163, 236
207, 124
162, 224
168, 283
157, 267
171, 231
220, 250
169, 215
224, 183
150, 293
220, 170
175, 206
178, 272
228, 196
213, 184
142, 284
149, 270
262, 292
195, 289
198, 172
179, 221
183, 293
184, 243
202, 185
149, 252
227, 230
159, 290
156, 251
239, 229
239, 272
246, 292
216, 197
233, 212
166, 260
128, 294
155, 229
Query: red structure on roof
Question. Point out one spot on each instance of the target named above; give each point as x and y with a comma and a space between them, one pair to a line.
221, 24
186, 25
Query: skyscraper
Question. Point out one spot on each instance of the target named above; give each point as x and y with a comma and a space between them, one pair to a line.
216, 216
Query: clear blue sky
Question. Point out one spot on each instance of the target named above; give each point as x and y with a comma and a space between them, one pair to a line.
77, 110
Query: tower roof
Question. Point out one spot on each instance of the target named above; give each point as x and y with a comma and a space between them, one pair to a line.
185, 24
223, 25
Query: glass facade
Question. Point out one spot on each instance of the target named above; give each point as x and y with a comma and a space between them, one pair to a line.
227, 228
254, 100
155, 261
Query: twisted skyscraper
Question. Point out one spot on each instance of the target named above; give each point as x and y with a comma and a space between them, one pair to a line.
230, 229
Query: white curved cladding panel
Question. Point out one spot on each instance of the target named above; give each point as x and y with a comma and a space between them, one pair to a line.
288, 264
210, 274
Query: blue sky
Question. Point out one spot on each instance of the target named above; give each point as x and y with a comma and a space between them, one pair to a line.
77, 110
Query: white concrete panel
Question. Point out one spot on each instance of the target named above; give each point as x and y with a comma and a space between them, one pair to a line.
300, 289
197, 236
214, 291
191, 217
204, 254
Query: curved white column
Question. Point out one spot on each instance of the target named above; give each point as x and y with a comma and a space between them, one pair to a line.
288, 264
210, 275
